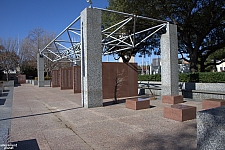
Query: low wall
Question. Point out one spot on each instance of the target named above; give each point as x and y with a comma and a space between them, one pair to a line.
1, 88
8, 83
197, 91
35, 82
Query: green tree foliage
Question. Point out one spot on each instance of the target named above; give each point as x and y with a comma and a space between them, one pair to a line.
200, 24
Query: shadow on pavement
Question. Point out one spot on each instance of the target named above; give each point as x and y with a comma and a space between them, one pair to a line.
26, 145
113, 102
180, 140
2, 101
39, 114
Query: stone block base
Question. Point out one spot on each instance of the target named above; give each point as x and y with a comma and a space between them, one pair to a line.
137, 103
180, 112
212, 103
172, 99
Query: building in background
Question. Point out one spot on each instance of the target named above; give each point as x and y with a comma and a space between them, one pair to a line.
155, 67
221, 67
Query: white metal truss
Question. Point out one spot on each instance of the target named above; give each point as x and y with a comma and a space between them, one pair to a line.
67, 45
116, 40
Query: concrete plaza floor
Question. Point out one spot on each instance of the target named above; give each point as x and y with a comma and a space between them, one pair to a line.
52, 119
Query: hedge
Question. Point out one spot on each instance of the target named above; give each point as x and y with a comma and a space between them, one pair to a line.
45, 78
202, 77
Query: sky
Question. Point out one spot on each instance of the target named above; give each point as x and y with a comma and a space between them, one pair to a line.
18, 17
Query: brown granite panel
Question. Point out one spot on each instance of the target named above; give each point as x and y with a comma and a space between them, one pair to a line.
77, 79
172, 99
21, 79
137, 103
180, 112
125, 74
66, 78
55, 78
212, 103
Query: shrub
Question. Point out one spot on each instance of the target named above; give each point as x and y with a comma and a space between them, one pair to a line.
203, 77
154, 77
47, 78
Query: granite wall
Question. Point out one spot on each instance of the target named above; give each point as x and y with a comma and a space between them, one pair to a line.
55, 78
21, 79
66, 78
126, 76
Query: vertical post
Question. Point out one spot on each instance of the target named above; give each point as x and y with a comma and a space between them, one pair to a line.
40, 66
91, 58
169, 54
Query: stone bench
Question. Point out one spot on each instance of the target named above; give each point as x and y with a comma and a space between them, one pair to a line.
172, 99
180, 112
137, 103
212, 103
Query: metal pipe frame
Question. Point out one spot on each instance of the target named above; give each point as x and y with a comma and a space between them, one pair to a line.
62, 48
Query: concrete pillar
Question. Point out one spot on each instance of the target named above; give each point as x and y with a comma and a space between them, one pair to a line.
169, 60
40, 66
91, 58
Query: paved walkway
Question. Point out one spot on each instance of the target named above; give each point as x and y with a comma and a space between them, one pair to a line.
52, 119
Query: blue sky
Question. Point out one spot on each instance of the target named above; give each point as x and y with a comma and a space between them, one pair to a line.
21, 16
18, 17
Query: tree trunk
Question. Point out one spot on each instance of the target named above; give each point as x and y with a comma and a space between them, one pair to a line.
115, 91
202, 66
193, 61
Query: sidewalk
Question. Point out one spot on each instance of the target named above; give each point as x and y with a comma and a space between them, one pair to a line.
52, 119
6, 99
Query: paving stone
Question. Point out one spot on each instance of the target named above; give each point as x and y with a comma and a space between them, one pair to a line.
109, 127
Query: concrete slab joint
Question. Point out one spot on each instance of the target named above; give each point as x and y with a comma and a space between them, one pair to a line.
91, 58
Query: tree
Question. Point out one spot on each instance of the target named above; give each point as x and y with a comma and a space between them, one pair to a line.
8, 55
36, 40
201, 24
119, 79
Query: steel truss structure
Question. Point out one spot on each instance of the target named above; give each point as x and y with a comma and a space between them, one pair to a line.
67, 45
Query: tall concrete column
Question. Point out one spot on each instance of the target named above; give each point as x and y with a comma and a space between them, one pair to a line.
40, 66
91, 58
169, 60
